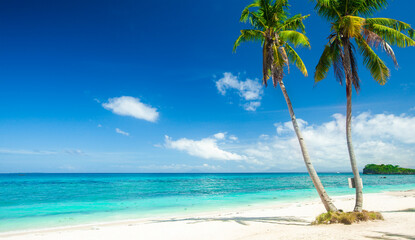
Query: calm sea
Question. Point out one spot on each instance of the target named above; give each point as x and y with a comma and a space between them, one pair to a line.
30, 201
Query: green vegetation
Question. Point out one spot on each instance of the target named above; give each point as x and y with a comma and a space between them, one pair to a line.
347, 217
387, 169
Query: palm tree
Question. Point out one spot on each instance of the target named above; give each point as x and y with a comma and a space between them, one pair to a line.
277, 32
350, 21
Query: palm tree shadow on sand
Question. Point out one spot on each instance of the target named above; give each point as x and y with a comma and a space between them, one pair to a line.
397, 211
243, 220
391, 236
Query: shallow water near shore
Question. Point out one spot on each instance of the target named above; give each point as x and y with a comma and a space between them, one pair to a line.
31, 201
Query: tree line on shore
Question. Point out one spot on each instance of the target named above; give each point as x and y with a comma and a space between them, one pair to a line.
387, 169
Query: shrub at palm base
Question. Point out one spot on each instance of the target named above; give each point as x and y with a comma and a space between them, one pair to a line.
347, 217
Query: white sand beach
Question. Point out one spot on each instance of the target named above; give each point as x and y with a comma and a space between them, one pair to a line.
280, 221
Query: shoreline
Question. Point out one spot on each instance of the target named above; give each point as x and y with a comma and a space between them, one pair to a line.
250, 219
208, 212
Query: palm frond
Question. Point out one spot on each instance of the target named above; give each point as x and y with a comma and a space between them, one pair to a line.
248, 35
294, 23
267, 61
245, 13
338, 68
294, 37
277, 75
279, 60
367, 7
392, 36
294, 58
395, 24
353, 65
351, 25
373, 63
284, 57
331, 54
375, 40
327, 9
280, 10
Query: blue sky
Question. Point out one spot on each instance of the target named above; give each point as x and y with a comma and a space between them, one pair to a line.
145, 86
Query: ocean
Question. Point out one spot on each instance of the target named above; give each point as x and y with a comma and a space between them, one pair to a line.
32, 201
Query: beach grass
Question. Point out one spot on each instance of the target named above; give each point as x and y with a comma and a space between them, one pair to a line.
347, 217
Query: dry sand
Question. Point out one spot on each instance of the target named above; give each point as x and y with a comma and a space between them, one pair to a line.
282, 221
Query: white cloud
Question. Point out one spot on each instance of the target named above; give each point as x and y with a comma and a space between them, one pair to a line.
99, 126
412, 109
233, 138
386, 127
380, 138
377, 138
206, 148
249, 90
251, 106
220, 136
117, 130
130, 106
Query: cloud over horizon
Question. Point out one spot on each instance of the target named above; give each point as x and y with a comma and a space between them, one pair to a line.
250, 91
206, 148
130, 106
377, 138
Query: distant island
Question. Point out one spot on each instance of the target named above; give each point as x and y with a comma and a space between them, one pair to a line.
387, 169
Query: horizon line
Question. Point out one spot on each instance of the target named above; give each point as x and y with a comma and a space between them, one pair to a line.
158, 172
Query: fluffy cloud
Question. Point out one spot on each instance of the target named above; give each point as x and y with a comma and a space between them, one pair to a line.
385, 127
380, 138
249, 90
220, 136
130, 106
377, 138
252, 106
117, 130
206, 148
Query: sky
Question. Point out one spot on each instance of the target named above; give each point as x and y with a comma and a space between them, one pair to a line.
153, 86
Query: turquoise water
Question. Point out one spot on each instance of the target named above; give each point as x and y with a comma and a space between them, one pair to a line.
30, 201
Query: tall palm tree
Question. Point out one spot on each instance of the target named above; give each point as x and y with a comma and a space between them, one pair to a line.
350, 21
277, 32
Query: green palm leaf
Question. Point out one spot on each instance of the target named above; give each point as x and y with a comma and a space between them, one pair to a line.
295, 59
294, 37
248, 35
392, 23
391, 35
376, 66
330, 55
294, 23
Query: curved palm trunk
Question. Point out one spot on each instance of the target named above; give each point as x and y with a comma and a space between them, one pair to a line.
357, 180
328, 204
